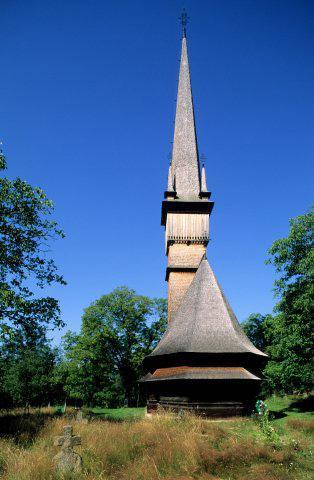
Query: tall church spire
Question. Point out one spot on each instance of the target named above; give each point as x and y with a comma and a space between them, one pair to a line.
185, 162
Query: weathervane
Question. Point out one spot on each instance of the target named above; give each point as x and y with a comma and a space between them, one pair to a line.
184, 20
203, 158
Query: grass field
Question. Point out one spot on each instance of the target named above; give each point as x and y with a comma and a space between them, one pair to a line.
118, 413
165, 447
283, 408
291, 406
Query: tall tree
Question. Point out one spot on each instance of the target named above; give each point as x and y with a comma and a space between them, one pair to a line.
25, 264
104, 361
87, 371
27, 373
288, 336
291, 351
28, 378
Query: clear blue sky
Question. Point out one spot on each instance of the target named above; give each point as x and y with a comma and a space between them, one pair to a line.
88, 93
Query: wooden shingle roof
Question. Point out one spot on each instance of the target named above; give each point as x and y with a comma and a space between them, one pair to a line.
185, 161
204, 322
199, 373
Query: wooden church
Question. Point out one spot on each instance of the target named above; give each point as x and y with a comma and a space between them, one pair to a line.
204, 362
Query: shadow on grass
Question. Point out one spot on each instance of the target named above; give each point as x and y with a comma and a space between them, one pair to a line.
302, 405
23, 428
275, 415
294, 405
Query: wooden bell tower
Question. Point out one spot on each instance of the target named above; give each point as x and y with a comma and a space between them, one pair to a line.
186, 208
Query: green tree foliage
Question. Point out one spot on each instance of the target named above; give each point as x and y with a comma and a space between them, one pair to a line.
257, 328
88, 371
27, 379
25, 233
291, 351
288, 336
27, 374
103, 363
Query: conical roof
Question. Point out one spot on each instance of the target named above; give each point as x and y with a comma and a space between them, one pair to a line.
185, 163
204, 322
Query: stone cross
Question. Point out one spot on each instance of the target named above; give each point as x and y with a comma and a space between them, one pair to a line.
80, 418
67, 459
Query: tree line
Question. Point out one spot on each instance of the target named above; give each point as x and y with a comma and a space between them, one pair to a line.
101, 364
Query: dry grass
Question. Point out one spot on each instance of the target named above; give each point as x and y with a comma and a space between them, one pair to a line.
163, 447
306, 426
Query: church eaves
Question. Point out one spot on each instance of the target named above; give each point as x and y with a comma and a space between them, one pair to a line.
199, 373
205, 322
185, 162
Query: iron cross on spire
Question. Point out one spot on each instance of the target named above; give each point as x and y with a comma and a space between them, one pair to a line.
184, 20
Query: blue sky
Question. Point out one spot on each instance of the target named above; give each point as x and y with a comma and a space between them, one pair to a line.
88, 93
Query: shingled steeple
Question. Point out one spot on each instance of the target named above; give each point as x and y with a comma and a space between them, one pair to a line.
186, 210
185, 161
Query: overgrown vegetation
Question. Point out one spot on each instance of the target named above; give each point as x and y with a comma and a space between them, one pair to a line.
169, 448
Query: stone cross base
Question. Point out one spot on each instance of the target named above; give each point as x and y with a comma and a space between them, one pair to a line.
68, 461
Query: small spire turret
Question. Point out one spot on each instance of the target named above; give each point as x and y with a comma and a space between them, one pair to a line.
170, 192
204, 193
203, 180
170, 180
